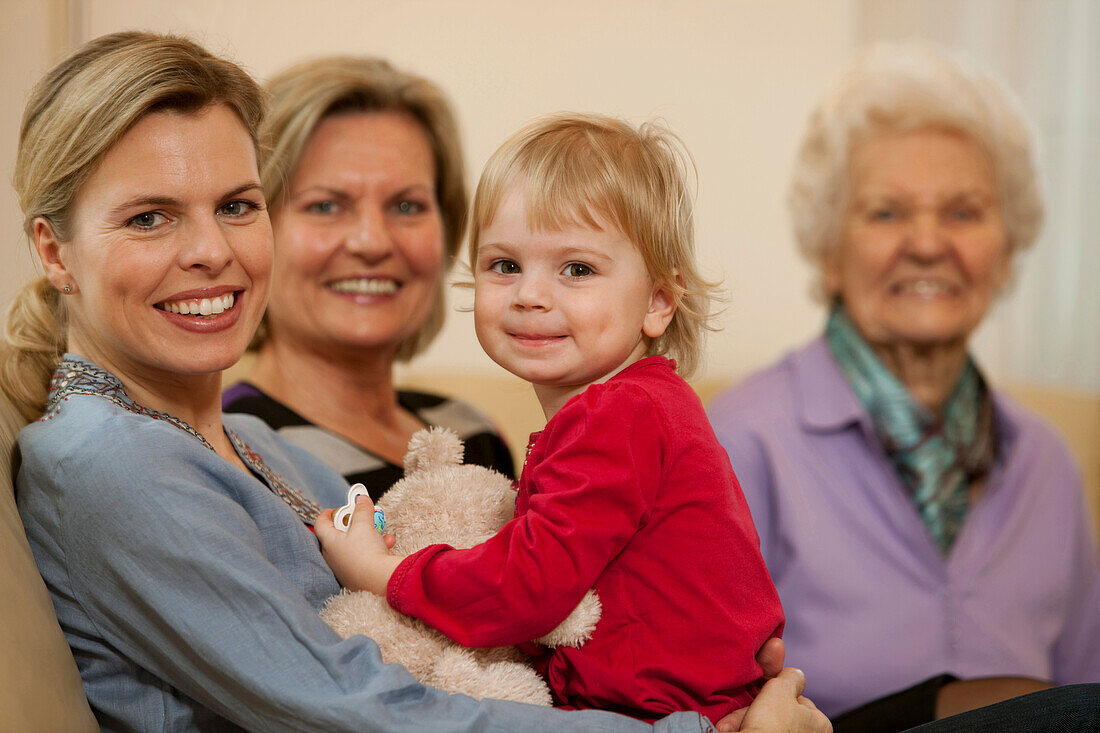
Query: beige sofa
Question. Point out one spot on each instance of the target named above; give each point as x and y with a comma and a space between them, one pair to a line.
41, 688
42, 691
512, 405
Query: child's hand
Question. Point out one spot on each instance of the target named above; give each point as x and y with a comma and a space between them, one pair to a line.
360, 558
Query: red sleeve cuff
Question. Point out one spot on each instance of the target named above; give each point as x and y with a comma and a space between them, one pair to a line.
403, 589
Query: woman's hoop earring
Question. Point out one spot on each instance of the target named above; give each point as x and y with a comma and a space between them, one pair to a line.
68, 289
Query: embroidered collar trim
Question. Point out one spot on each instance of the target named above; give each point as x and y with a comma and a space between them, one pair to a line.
78, 377
75, 376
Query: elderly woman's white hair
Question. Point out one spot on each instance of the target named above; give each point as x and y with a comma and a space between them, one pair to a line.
903, 87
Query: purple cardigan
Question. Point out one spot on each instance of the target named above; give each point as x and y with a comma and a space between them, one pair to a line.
871, 606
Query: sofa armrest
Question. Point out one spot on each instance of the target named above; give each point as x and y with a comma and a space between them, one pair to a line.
42, 690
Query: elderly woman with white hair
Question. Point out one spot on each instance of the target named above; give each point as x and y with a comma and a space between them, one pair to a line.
926, 533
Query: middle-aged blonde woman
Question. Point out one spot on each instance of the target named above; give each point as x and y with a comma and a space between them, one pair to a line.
919, 525
368, 203
175, 542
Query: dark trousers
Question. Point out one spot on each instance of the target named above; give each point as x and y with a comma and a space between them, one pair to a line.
1066, 709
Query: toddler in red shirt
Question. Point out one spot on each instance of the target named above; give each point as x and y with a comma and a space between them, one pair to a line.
584, 280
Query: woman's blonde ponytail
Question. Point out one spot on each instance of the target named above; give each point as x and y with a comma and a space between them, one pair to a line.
33, 342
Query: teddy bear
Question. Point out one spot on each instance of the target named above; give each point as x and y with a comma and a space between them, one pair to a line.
442, 500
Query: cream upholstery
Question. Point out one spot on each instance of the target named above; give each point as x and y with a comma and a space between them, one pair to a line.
513, 407
1076, 415
41, 689
511, 404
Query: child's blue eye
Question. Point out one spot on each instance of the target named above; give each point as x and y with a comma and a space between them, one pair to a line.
578, 269
504, 267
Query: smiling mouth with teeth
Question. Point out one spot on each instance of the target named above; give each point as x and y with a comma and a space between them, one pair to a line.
199, 306
364, 286
924, 287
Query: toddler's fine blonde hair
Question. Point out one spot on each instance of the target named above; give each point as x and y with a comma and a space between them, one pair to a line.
594, 170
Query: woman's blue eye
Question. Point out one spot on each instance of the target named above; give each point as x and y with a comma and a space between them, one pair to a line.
323, 207
145, 220
409, 207
504, 267
237, 208
964, 215
884, 215
578, 269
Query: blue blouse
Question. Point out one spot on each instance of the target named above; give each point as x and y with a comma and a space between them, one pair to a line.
189, 589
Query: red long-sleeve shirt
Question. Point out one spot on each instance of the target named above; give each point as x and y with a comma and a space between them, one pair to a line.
627, 491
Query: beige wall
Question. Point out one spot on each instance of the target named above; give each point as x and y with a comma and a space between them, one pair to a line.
32, 37
735, 79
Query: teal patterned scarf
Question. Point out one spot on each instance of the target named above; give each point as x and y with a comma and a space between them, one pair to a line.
936, 459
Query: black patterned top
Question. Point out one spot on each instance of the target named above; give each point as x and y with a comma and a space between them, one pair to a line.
482, 444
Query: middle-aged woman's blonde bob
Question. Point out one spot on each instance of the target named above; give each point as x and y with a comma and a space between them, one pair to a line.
305, 94
903, 87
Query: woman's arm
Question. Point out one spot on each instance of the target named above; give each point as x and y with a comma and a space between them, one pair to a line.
960, 696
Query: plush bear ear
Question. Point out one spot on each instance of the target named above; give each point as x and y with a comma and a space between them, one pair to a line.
432, 449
